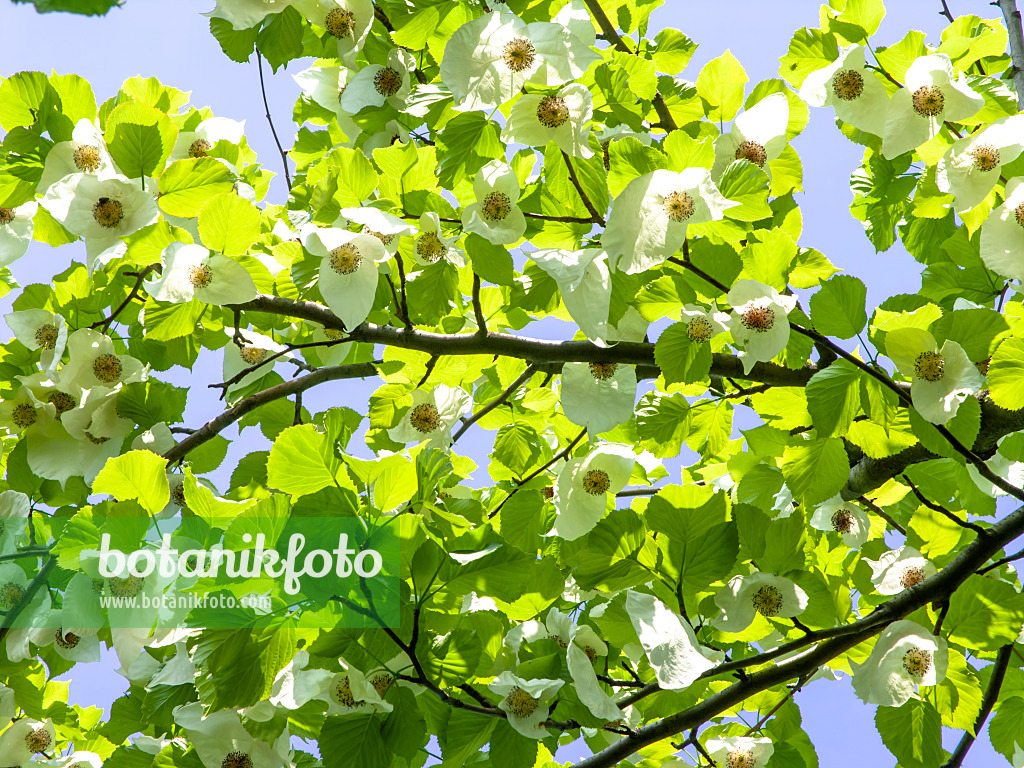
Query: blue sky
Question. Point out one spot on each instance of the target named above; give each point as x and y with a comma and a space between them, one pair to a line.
168, 39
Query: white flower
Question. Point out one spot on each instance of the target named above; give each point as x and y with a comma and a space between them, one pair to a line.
486, 61
193, 272
1008, 469
94, 362
295, 685
431, 245
351, 692
972, 166
650, 217
432, 416
582, 487
158, 439
244, 14
347, 20
348, 271
561, 117
758, 135
942, 379
204, 138
669, 642
740, 751
899, 569
16, 232
524, 702
905, 656
745, 596
80, 648
495, 215
81, 759
221, 735
255, 349
26, 738
598, 396
759, 321
844, 518
931, 97
851, 89
376, 85
326, 86
38, 401
384, 226
14, 509
1002, 234
585, 285
702, 325
85, 153
39, 329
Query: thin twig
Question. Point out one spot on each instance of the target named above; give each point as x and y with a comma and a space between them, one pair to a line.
140, 278
564, 453
467, 423
1002, 561
225, 385
945, 12
429, 369
405, 297
882, 514
595, 217
941, 510
991, 696
478, 310
273, 131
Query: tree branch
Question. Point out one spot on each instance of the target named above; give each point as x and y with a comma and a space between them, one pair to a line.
560, 455
881, 513
595, 217
940, 509
140, 278
1013, 26
478, 310
523, 378
989, 701
273, 131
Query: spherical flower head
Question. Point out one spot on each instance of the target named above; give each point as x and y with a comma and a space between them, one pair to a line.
905, 656
16, 232
199, 143
86, 152
95, 363
745, 596
584, 283
757, 135
384, 226
1002, 234
255, 349
702, 325
846, 519
193, 272
377, 85
220, 739
583, 485
489, 59
941, 378
972, 166
855, 92
650, 217
42, 330
561, 117
432, 415
899, 569
759, 321
598, 396
525, 702
347, 21
495, 215
431, 245
933, 96
348, 271
25, 738
740, 751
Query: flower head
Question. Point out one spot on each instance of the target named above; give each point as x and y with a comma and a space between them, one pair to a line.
941, 378
583, 485
851, 89
1002, 234
348, 21
932, 97
495, 215
351, 692
759, 321
16, 232
94, 362
39, 329
584, 283
85, 153
905, 656
525, 702
221, 741
431, 245
650, 217
598, 396
376, 85
348, 271
326, 86
201, 141
972, 166
745, 596
560, 117
702, 325
740, 751
758, 135
432, 415
899, 569
193, 272
846, 519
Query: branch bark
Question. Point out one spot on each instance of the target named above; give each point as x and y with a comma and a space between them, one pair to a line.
991, 695
1013, 26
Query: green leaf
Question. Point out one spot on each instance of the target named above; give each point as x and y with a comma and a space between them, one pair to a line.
663, 423
280, 40
491, 261
746, 184
81, 7
833, 398
236, 667
629, 159
816, 470
510, 749
680, 359
466, 733
140, 139
165, 321
809, 50
1006, 375
465, 144
135, 475
237, 44
912, 732
859, 20
353, 740
152, 401
838, 308
302, 461
984, 614
1006, 729
187, 184
517, 446
720, 84
229, 224
672, 51
432, 291
24, 98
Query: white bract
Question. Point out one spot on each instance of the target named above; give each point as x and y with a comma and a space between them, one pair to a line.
348, 271
85, 153
244, 14
386, 227
852, 89
905, 656
376, 85
582, 487
598, 396
740, 751
26, 738
432, 416
431, 245
933, 96
495, 215
198, 143
561, 117
95, 363
650, 217
524, 701
1002, 234
971, 167
14, 509
758, 135
39, 329
899, 569
326, 85
16, 230
255, 349
843, 517
759, 321
488, 60
745, 596
220, 739
702, 325
193, 272
1009, 469
584, 283
347, 20
942, 378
